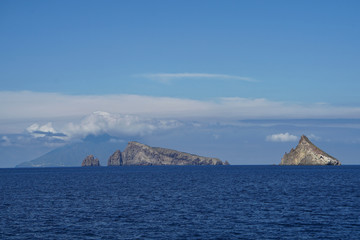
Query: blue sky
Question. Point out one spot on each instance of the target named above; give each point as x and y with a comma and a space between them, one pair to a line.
211, 62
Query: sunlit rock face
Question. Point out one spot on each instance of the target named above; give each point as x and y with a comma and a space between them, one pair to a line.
90, 161
306, 153
115, 159
140, 154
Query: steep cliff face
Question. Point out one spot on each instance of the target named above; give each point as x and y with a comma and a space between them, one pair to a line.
115, 159
139, 154
90, 161
306, 153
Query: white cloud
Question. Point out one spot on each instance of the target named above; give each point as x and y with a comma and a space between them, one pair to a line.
36, 129
281, 137
45, 130
165, 77
116, 124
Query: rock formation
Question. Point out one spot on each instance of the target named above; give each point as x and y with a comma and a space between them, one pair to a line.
115, 159
139, 154
306, 153
90, 161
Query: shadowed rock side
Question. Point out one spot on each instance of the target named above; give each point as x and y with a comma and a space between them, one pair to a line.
115, 159
90, 161
139, 154
306, 153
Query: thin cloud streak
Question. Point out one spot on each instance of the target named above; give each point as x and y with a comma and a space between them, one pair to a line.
165, 77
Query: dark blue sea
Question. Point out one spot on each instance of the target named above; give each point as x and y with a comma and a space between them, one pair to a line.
181, 202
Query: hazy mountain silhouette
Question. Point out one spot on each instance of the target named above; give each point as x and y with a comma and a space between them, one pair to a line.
71, 155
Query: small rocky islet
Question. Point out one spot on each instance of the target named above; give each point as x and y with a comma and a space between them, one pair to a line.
90, 161
306, 153
140, 154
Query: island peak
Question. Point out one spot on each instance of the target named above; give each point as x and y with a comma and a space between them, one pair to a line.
306, 153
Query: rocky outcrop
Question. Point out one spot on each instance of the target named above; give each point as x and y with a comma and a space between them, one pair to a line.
115, 159
90, 161
140, 154
306, 153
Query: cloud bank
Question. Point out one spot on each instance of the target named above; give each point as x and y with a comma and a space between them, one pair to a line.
281, 137
47, 106
116, 125
98, 123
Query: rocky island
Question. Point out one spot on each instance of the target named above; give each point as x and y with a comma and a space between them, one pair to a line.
306, 153
115, 159
140, 154
90, 161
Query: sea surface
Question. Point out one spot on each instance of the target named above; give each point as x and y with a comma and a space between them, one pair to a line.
181, 202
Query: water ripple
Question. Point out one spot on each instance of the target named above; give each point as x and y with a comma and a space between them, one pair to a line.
204, 202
